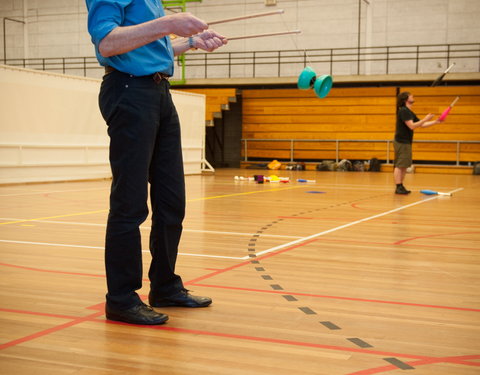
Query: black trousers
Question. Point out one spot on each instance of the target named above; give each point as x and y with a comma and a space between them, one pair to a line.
145, 148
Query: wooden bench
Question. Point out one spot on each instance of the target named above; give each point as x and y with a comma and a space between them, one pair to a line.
367, 114
217, 100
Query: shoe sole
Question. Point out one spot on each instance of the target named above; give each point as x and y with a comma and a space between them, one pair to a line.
172, 304
117, 318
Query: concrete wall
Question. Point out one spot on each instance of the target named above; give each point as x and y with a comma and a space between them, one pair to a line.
57, 28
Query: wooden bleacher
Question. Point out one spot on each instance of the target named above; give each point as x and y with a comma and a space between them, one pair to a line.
366, 114
217, 100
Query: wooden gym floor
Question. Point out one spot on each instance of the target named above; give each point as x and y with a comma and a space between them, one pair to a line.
340, 277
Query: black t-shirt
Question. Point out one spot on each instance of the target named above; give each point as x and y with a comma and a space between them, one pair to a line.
403, 133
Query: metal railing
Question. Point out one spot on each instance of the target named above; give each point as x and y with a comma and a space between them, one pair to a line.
338, 143
382, 57
58, 64
381, 60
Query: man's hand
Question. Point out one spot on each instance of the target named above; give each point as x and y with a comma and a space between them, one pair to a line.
184, 24
209, 40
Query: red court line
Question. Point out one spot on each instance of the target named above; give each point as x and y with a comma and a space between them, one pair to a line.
273, 253
398, 243
296, 217
337, 297
51, 271
355, 205
431, 235
461, 360
38, 313
422, 360
189, 282
50, 330
279, 341
80, 320
195, 281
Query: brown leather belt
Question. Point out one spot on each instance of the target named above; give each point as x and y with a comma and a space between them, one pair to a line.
157, 77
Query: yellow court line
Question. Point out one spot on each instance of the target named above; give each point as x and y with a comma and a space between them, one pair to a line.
245, 193
54, 217
100, 211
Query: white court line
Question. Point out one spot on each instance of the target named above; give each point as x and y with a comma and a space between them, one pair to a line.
51, 244
347, 225
300, 240
238, 233
148, 228
41, 192
102, 248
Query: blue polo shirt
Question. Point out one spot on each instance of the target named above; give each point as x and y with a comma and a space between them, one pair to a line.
106, 15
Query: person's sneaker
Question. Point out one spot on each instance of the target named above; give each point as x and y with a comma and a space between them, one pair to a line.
401, 190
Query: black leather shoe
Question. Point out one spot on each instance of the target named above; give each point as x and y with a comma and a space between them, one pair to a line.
181, 299
138, 314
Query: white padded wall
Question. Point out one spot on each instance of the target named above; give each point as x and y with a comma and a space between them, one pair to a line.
51, 128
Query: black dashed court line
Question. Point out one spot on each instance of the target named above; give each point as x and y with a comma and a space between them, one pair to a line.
397, 363
330, 325
360, 343
307, 310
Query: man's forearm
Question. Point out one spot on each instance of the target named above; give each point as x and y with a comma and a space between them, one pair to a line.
124, 39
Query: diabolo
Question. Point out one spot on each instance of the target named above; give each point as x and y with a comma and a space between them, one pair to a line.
321, 85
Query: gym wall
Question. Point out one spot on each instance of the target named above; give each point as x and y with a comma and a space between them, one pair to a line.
58, 28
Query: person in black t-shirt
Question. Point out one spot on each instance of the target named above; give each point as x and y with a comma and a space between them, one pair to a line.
407, 122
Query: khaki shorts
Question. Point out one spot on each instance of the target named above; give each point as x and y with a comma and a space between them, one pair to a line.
403, 154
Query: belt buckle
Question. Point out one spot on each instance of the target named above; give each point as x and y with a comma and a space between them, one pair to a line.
158, 77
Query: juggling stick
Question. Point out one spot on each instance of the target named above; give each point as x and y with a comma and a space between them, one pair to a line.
432, 192
440, 77
280, 11
267, 34
445, 113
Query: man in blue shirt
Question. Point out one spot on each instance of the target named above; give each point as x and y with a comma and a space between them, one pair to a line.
131, 39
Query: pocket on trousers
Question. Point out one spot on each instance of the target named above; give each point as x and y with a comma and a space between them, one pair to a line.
111, 93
